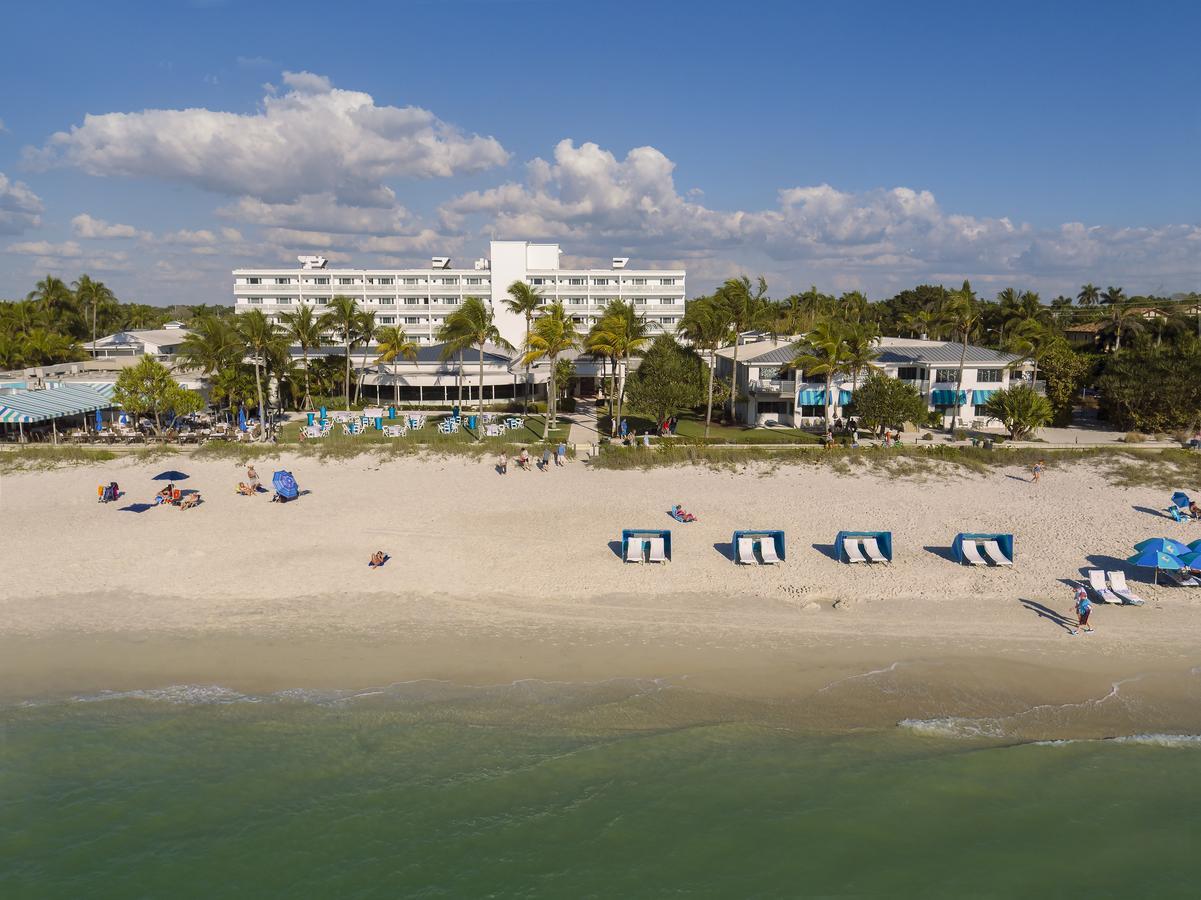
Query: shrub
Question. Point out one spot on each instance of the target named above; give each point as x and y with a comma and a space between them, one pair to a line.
1021, 409
960, 434
1134, 437
926, 437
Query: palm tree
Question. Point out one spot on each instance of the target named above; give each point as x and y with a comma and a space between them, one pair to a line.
621, 333
961, 314
706, 325
1031, 339
364, 335
54, 298
749, 311
41, 346
524, 301
1113, 296
93, 294
472, 325
303, 329
258, 334
394, 343
599, 343
342, 318
861, 349
1123, 318
823, 351
553, 333
1089, 296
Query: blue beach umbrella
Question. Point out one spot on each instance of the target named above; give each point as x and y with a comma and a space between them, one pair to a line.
285, 485
1192, 560
241, 419
1195, 545
1163, 545
1155, 559
171, 475
99, 421
1180, 498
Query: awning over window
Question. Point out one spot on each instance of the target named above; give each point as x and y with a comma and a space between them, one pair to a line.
947, 398
51, 403
979, 398
818, 398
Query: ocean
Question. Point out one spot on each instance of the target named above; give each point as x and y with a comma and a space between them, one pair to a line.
620, 789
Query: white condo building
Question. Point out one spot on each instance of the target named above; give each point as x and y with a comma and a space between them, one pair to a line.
421, 299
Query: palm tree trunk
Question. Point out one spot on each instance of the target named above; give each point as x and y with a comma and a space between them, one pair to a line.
395, 385
959, 384
549, 400
258, 387
347, 382
527, 388
829, 388
308, 398
734, 380
709, 402
481, 397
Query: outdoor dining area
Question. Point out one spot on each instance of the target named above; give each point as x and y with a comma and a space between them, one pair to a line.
394, 424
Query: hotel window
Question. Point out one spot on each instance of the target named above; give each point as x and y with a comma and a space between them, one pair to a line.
254, 280
283, 280
577, 281
316, 280
383, 281
346, 281
255, 300
946, 375
988, 376
475, 281
910, 373
414, 301
578, 301
602, 282
667, 301
414, 281
412, 320
637, 281
384, 301
537, 281
323, 301
284, 301
640, 301
667, 281
387, 320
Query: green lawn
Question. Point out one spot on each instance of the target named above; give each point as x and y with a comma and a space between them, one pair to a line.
692, 427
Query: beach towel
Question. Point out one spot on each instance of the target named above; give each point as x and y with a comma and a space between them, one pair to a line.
680, 515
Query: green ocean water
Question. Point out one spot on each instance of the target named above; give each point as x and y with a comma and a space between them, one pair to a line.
533, 790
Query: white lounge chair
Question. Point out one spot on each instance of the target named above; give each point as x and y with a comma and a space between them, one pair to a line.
746, 551
993, 549
1182, 580
1117, 581
634, 550
767, 549
972, 553
850, 547
1096, 580
873, 550
657, 550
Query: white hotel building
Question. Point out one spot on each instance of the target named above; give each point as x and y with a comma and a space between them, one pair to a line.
421, 299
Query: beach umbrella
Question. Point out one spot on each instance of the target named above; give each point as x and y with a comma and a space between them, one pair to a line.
1155, 559
1180, 498
1192, 560
171, 475
241, 419
285, 485
1195, 545
1163, 545
99, 421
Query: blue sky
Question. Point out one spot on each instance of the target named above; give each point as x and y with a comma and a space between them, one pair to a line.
849, 145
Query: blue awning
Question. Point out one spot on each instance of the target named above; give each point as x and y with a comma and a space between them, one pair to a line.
818, 398
981, 397
947, 398
51, 403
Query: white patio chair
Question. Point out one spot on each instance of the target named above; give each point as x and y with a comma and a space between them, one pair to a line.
656, 550
972, 553
1117, 581
996, 554
746, 552
850, 546
1096, 580
634, 550
873, 550
767, 549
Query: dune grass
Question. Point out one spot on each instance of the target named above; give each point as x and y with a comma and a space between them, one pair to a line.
34, 458
691, 428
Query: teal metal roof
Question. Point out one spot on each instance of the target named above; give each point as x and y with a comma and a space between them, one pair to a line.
52, 403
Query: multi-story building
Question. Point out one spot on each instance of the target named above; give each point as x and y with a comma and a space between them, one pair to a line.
421, 299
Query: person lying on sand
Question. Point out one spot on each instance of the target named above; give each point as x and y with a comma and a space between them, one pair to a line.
190, 501
378, 558
165, 495
246, 490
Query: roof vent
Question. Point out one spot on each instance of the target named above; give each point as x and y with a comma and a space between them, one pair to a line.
620, 262
440, 262
312, 262
482, 264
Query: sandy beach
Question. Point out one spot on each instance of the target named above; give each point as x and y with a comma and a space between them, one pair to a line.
495, 579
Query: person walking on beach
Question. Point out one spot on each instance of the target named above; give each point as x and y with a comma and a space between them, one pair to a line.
1037, 471
561, 455
545, 464
1083, 608
502, 463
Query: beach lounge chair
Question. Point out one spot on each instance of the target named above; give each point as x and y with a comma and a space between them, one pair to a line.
996, 554
634, 550
1179, 579
1117, 580
971, 553
746, 552
767, 549
656, 550
873, 550
850, 546
1096, 580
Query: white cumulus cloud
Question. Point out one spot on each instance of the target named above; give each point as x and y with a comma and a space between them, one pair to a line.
20, 207
86, 226
310, 138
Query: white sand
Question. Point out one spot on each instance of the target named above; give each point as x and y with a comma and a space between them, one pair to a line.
528, 561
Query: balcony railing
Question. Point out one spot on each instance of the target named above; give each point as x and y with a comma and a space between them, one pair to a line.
772, 386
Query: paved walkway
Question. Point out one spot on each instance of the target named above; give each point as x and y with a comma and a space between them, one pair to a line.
583, 424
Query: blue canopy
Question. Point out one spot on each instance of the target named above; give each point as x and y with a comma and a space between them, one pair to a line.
818, 398
1194, 545
170, 475
1180, 498
979, 398
947, 398
1155, 559
285, 485
1192, 560
1163, 545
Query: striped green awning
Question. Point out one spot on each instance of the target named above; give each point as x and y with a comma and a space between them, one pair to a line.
947, 398
818, 398
51, 403
979, 398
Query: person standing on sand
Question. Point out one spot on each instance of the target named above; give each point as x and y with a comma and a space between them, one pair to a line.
1037, 471
502, 463
545, 459
561, 455
1083, 608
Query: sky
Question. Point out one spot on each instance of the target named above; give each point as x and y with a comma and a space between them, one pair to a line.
851, 146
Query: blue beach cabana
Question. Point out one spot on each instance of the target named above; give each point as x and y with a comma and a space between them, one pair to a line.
646, 544
754, 547
863, 546
981, 549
